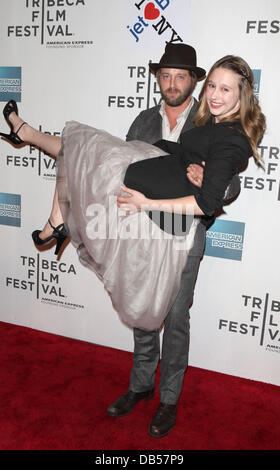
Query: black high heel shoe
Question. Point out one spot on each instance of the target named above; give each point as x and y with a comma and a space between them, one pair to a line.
13, 137
60, 233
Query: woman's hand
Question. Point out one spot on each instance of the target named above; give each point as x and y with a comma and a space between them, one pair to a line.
134, 203
195, 174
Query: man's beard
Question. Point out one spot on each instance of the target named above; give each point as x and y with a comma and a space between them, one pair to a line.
179, 99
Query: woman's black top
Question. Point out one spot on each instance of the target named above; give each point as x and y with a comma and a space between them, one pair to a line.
223, 147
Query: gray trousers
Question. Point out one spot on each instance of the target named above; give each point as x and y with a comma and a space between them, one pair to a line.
175, 345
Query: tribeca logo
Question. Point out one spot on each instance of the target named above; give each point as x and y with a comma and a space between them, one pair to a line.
262, 322
10, 83
269, 182
151, 13
48, 20
44, 279
225, 240
34, 159
10, 209
145, 91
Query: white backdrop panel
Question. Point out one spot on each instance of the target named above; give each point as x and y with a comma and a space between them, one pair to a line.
88, 60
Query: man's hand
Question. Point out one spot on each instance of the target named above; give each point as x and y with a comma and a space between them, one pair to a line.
195, 174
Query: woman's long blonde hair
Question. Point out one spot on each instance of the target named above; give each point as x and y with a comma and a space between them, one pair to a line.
249, 114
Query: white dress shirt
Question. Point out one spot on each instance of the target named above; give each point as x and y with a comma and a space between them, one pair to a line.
173, 135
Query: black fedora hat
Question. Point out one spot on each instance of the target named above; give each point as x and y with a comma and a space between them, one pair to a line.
178, 56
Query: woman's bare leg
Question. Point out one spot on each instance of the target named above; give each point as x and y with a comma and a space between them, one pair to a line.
55, 218
50, 144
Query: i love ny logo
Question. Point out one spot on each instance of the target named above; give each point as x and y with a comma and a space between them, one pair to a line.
152, 14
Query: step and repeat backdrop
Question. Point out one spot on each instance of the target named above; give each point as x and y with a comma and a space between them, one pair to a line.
87, 60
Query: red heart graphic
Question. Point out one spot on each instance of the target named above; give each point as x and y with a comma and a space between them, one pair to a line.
151, 12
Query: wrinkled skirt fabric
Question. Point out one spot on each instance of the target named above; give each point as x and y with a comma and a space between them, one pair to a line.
139, 264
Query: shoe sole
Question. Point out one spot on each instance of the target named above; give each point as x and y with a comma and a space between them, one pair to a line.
130, 411
119, 415
162, 435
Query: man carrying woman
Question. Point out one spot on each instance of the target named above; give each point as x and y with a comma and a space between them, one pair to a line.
150, 282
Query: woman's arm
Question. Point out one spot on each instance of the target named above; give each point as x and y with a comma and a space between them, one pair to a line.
138, 201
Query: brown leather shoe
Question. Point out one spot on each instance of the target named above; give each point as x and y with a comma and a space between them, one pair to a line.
163, 421
126, 403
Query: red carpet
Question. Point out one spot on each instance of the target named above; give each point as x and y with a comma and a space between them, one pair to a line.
55, 391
